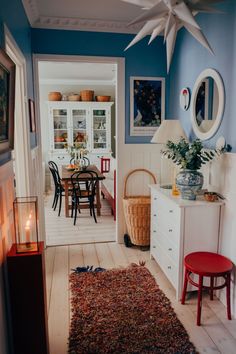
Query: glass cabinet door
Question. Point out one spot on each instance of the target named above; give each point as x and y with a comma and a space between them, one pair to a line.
60, 126
99, 129
79, 126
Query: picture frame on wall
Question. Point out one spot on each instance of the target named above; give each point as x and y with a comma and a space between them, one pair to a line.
32, 115
7, 102
147, 105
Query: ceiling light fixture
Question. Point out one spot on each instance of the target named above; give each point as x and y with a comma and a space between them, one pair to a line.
168, 16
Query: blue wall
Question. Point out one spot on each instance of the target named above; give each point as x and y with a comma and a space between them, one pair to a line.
190, 59
140, 60
12, 14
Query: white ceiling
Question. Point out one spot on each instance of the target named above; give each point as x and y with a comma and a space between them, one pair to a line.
89, 15
76, 73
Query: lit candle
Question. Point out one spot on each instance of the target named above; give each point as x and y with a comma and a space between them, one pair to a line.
27, 232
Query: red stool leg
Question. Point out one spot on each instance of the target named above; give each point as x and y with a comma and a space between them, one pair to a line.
211, 288
228, 295
199, 300
185, 286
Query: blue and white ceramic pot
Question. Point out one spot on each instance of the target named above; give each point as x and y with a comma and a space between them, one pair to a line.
189, 182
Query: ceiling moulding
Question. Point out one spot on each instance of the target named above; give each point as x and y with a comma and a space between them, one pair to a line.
67, 23
31, 10
77, 82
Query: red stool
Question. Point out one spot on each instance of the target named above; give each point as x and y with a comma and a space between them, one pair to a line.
207, 264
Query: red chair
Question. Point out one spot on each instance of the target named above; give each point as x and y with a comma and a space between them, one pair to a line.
105, 164
207, 264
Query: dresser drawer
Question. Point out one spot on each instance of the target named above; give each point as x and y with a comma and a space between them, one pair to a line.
168, 228
168, 242
169, 212
170, 248
166, 264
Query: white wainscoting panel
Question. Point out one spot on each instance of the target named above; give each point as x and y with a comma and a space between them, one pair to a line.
223, 180
37, 180
135, 156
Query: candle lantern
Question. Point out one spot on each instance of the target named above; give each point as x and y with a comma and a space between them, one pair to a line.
26, 224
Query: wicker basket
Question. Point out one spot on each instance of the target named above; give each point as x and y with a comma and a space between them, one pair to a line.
137, 213
87, 95
73, 97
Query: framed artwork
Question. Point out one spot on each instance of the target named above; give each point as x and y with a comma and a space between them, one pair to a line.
32, 115
147, 105
7, 102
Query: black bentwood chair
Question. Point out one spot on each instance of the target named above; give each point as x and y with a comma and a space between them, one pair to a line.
83, 192
58, 187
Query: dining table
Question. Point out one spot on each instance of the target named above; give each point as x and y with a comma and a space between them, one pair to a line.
66, 174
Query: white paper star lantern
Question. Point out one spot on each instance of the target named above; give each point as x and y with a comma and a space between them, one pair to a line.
168, 16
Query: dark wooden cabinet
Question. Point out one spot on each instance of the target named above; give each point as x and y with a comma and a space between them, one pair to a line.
27, 297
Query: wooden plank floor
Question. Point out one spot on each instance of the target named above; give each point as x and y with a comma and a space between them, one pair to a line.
216, 335
61, 230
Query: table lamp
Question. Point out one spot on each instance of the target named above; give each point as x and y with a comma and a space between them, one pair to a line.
170, 129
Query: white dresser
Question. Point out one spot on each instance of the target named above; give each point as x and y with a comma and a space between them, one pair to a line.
179, 227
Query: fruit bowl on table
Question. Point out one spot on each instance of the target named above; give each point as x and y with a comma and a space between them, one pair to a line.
70, 167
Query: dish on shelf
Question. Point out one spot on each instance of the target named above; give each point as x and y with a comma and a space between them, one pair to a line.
210, 196
54, 96
59, 139
73, 97
103, 98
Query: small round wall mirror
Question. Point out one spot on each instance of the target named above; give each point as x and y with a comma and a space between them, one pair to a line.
207, 104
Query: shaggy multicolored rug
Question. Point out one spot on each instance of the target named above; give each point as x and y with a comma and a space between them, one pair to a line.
123, 311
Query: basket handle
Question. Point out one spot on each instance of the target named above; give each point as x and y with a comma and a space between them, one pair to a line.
134, 171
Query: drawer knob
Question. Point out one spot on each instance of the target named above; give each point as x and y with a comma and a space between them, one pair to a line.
155, 198
154, 230
154, 214
170, 230
61, 157
169, 267
153, 246
169, 249
171, 211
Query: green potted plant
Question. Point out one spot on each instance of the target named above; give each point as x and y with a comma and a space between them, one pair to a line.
189, 157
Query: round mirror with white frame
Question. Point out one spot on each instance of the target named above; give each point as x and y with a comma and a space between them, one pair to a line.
207, 105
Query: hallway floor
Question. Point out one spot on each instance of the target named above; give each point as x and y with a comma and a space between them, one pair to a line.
60, 230
216, 335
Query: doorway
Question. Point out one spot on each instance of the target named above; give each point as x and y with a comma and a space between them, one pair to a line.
62, 227
21, 152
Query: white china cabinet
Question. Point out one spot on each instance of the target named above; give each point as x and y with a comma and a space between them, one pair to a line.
179, 227
86, 124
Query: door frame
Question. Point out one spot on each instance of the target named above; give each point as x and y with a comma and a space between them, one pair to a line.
120, 115
22, 150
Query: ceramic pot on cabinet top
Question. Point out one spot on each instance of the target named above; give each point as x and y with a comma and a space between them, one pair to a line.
189, 182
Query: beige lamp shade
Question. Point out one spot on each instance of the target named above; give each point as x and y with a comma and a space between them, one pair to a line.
170, 129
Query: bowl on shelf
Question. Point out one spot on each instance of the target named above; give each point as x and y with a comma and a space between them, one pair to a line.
59, 139
103, 98
73, 97
210, 196
54, 96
